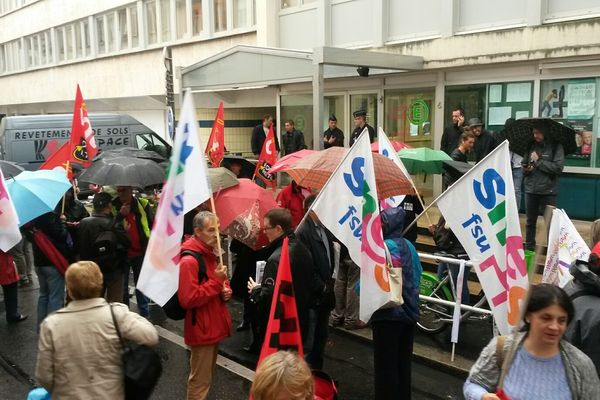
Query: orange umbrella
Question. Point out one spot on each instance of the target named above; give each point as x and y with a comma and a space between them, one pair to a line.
288, 160
314, 170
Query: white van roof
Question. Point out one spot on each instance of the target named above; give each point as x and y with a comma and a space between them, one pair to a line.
59, 120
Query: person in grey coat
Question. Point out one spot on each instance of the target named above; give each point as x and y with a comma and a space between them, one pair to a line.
542, 165
584, 290
536, 363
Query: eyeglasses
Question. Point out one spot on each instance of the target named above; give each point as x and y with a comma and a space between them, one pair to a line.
266, 228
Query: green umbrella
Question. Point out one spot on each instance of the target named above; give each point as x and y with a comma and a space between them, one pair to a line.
423, 160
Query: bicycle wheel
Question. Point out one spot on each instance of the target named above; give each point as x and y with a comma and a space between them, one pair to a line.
431, 314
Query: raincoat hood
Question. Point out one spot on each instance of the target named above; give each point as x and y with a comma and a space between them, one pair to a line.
582, 274
392, 222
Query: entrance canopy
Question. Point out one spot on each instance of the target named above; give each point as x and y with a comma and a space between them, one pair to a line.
249, 67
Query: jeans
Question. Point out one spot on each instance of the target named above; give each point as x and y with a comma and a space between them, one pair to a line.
517, 174
454, 268
314, 347
135, 263
392, 358
52, 291
535, 205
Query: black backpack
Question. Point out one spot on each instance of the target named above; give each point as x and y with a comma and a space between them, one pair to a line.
106, 248
172, 308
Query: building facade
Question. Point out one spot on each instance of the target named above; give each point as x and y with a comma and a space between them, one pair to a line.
516, 58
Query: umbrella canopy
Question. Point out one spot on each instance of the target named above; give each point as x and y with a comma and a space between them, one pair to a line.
314, 170
241, 210
10, 168
124, 171
520, 134
396, 144
288, 160
36, 192
423, 160
221, 178
247, 169
130, 152
456, 169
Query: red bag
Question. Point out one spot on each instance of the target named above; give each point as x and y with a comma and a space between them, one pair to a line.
8, 270
50, 251
325, 388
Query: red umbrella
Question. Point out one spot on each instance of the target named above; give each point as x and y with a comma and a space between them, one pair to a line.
241, 210
288, 160
396, 144
314, 170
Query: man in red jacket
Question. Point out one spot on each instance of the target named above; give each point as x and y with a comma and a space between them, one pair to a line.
207, 320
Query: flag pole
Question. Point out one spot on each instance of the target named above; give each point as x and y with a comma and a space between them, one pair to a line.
64, 199
214, 210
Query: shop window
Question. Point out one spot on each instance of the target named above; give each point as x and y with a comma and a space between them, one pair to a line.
471, 98
298, 108
573, 102
367, 102
181, 18
408, 116
334, 105
220, 15
507, 100
197, 24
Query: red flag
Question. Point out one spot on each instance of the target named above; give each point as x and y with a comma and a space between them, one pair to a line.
82, 148
215, 147
59, 159
268, 157
283, 329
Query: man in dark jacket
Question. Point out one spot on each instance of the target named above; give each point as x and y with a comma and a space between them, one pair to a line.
136, 216
360, 122
74, 212
451, 134
112, 263
542, 165
278, 226
52, 282
333, 136
259, 134
293, 139
319, 241
485, 141
584, 290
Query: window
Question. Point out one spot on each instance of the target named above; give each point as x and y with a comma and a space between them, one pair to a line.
240, 13
110, 30
100, 35
298, 107
86, 39
408, 116
60, 41
69, 36
2, 60
43, 53
572, 102
123, 31
165, 20
181, 18
367, 102
151, 28
133, 18
197, 25
220, 15
78, 40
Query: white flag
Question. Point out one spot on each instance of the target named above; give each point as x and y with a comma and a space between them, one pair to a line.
348, 207
10, 234
565, 245
487, 225
186, 187
386, 149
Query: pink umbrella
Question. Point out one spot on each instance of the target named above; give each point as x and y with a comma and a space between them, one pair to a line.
288, 160
396, 144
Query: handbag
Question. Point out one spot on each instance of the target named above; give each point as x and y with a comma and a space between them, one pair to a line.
394, 280
141, 367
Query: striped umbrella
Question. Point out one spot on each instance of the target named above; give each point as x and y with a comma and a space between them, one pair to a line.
314, 170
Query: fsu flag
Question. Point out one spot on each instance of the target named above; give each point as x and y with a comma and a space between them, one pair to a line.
82, 147
283, 328
59, 159
215, 147
10, 234
268, 157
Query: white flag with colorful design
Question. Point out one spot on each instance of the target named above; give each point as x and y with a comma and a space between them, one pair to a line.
10, 234
386, 149
481, 210
186, 187
347, 206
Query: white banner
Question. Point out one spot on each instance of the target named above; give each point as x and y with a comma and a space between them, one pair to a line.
565, 245
10, 234
348, 207
186, 187
481, 210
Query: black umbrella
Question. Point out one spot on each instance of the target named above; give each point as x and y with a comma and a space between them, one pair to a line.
124, 171
456, 169
248, 167
10, 168
520, 135
130, 152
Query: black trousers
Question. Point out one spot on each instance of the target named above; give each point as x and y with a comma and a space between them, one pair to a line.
392, 356
11, 301
535, 205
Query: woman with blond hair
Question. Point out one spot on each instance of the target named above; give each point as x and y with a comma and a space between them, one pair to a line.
282, 376
79, 352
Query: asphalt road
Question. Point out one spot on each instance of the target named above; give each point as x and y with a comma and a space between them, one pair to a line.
347, 359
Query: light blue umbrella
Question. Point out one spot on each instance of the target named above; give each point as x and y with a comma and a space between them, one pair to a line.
35, 193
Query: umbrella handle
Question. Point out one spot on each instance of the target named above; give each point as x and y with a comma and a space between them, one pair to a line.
214, 210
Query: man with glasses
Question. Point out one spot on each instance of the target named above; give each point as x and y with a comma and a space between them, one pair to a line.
278, 226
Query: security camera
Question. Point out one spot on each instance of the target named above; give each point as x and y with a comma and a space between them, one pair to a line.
363, 71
